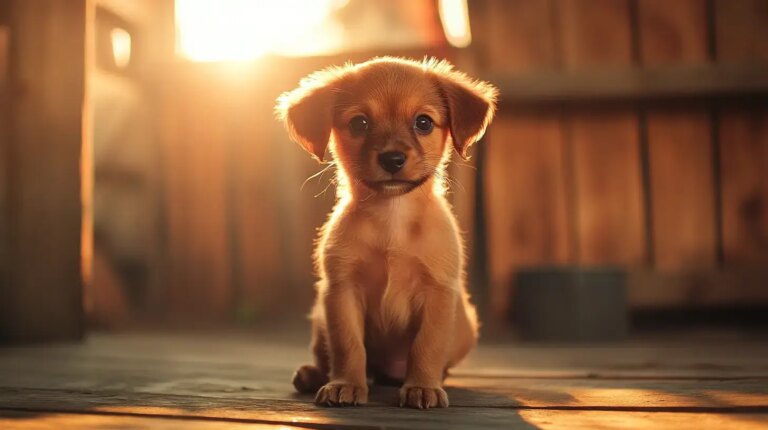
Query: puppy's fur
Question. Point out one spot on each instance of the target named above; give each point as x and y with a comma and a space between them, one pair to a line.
391, 299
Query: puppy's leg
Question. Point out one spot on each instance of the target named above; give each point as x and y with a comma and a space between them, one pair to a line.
309, 378
345, 331
428, 357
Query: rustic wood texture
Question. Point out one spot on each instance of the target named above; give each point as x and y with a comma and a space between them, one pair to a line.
682, 186
682, 189
744, 163
595, 33
213, 378
609, 217
520, 36
196, 179
742, 30
4, 148
702, 287
526, 188
697, 82
609, 214
42, 298
742, 37
672, 32
524, 169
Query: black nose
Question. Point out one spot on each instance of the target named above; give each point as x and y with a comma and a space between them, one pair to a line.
392, 161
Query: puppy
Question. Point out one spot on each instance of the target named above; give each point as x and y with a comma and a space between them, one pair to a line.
391, 299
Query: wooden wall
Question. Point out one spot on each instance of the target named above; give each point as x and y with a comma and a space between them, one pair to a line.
41, 287
597, 171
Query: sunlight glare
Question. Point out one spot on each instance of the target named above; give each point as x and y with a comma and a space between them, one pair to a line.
455, 17
121, 47
241, 30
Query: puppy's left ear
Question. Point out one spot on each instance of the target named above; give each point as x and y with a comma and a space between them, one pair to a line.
307, 112
471, 106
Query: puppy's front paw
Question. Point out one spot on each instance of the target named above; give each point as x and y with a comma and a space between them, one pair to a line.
341, 394
423, 397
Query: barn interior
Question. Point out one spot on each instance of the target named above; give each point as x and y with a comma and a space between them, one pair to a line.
157, 223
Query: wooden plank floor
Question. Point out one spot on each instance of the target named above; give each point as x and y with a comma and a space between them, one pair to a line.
241, 380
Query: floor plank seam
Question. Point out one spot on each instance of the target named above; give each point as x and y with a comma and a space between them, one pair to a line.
310, 425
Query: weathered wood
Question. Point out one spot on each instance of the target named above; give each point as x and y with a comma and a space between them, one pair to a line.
672, 32
90, 420
236, 379
741, 30
43, 296
682, 189
527, 209
742, 37
680, 159
585, 25
524, 170
733, 286
609, 206
609, 219
196, 167
560, 420
744, 163
520, 35
622, 84
4, 148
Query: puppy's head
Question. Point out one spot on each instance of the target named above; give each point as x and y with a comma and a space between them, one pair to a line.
388, 121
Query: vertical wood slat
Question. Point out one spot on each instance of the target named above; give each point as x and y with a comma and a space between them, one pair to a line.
256, 239
43, 296
742, 37
524, 176
744, 168
741, 30
521, 35
595, 33
609, 206
609, 214
195, 162
5, 41
526, 189
679, 142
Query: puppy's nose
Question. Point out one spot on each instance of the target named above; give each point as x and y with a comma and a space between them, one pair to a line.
392, 161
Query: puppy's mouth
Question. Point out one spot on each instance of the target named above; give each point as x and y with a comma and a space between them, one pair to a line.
395, 187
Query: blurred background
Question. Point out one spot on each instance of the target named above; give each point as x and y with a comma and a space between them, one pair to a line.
145, 182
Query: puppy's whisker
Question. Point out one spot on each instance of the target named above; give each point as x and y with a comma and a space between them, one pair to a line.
318, 175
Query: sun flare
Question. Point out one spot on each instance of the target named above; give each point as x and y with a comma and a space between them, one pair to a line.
241, 30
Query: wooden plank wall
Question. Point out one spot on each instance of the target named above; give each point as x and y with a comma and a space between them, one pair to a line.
672, 188
224, 188
42, 298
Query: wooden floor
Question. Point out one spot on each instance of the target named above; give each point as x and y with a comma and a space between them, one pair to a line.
241, 381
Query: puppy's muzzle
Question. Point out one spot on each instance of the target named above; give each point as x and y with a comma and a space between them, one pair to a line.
392, 161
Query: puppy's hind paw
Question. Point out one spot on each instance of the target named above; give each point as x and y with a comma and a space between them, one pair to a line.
308, 379
423, 397
341, 394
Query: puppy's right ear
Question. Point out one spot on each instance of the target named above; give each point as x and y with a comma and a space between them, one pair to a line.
307, 112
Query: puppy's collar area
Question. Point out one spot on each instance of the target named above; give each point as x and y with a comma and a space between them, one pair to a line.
395, 187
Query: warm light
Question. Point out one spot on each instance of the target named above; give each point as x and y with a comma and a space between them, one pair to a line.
455, 17
121, 47
226, 30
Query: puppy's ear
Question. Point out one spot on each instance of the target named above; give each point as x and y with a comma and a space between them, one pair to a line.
307, 112
471, 106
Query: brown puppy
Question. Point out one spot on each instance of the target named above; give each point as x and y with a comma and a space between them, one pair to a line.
391, 298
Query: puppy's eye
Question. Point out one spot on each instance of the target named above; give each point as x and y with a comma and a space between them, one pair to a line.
423, 124
358, 125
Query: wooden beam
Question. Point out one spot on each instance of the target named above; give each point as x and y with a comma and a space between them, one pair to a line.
633, 84
5, 33
698, 288
42, 296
